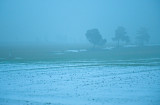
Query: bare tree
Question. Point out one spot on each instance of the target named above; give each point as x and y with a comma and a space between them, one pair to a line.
142, 36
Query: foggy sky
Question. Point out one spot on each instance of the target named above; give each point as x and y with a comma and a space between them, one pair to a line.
66, 21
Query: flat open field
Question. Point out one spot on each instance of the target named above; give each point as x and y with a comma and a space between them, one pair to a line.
82, 79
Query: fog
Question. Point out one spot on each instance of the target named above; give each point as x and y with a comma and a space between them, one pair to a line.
55, 22
79, 52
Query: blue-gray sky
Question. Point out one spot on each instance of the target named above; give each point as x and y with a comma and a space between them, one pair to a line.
66, 21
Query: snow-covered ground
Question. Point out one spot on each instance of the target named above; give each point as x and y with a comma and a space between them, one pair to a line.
120, 82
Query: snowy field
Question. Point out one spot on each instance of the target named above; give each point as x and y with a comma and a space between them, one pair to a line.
119, 82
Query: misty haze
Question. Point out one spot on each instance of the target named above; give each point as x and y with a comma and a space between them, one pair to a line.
79, 52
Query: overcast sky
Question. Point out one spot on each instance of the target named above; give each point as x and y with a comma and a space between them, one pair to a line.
66, 21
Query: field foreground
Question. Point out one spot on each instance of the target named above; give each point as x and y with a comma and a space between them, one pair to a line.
117, 82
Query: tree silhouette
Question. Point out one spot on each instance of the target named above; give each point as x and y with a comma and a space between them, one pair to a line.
142, 36
95, 38
120, 35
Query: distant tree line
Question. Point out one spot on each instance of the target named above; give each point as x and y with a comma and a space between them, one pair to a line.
96, 39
